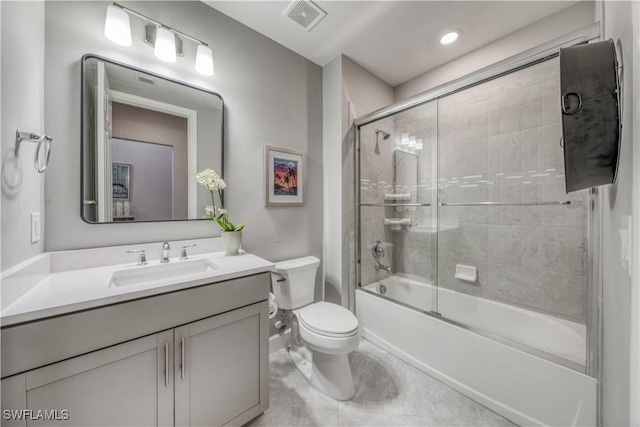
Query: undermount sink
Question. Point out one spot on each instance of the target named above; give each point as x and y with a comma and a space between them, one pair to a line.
161, 272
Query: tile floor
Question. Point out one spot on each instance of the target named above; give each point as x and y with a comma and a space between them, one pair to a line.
389, 392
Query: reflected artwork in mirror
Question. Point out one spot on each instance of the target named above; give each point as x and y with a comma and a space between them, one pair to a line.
165, 132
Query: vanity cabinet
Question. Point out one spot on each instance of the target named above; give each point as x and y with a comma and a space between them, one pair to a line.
212, 371
218, 369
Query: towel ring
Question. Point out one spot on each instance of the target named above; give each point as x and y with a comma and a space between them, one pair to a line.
40, 139
46, 141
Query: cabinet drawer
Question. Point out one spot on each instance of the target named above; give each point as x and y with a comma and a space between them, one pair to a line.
31, 345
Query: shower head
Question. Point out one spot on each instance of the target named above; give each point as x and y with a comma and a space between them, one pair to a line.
385, 135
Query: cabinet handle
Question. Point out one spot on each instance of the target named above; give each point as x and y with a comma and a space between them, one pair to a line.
166, 364
182, 358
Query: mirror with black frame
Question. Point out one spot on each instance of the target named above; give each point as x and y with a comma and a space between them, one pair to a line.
144, 138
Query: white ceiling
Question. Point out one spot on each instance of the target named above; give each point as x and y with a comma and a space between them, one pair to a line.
395, 40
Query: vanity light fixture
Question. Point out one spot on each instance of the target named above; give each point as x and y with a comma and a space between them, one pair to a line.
404, 140
117, 27
419, 144
167, 44
204, 60
450, 36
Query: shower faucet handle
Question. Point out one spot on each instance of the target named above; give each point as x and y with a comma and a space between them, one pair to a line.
378, 249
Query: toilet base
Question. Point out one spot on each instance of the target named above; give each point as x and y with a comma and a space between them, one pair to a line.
328, 373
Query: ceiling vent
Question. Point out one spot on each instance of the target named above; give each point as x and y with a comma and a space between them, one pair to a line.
305, 13
145, 79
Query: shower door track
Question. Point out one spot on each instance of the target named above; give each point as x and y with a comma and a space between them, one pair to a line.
408, 205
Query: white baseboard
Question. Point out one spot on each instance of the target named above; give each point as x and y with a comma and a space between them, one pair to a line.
279, 341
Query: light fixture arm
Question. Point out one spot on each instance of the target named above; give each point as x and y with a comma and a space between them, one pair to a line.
146, 18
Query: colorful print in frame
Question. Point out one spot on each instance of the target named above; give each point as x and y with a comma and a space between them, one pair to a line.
284, 176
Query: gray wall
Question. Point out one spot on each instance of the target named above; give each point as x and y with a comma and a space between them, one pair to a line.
617, 201
351, 91
22, 107
272, 96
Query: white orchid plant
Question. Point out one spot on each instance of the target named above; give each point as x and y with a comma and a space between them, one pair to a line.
209, 179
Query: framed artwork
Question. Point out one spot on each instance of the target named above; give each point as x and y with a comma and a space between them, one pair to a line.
121, 181
284, 176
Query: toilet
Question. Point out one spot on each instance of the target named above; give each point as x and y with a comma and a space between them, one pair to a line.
322, 334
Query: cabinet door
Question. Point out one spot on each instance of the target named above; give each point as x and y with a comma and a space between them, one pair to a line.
130, 384
13, 399
222, 368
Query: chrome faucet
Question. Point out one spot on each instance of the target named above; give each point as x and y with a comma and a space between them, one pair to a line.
383, 267
164, 258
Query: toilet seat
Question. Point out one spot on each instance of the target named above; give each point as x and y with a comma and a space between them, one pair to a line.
330, 320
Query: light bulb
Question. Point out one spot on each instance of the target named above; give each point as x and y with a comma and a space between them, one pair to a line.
204, 60
117, 27
165, 47
450, 37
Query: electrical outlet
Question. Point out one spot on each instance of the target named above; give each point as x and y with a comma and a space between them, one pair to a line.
35, 227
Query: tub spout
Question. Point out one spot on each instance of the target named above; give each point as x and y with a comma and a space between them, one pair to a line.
383, 267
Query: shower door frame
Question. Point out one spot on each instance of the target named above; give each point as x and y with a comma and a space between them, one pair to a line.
525, 59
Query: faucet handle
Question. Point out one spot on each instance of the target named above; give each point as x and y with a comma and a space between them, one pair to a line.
183, 250
142, 259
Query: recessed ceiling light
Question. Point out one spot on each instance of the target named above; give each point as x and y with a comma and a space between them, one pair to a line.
450, 37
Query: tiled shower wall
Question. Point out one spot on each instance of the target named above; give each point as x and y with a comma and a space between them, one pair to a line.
500, 142
376, 168
495, 142
415, 247
408, 250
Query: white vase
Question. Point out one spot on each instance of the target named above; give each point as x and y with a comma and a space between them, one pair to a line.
232, 240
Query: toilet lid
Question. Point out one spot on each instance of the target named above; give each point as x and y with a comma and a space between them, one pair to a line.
324, 317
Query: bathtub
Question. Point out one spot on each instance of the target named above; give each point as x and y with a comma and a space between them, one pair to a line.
558, 337
505, 377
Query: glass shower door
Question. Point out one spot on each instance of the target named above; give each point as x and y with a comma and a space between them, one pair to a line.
512, 246
398, 221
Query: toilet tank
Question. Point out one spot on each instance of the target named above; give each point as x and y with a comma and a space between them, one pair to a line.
294, 282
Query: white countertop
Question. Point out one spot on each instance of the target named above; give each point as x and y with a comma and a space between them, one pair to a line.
55, 292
